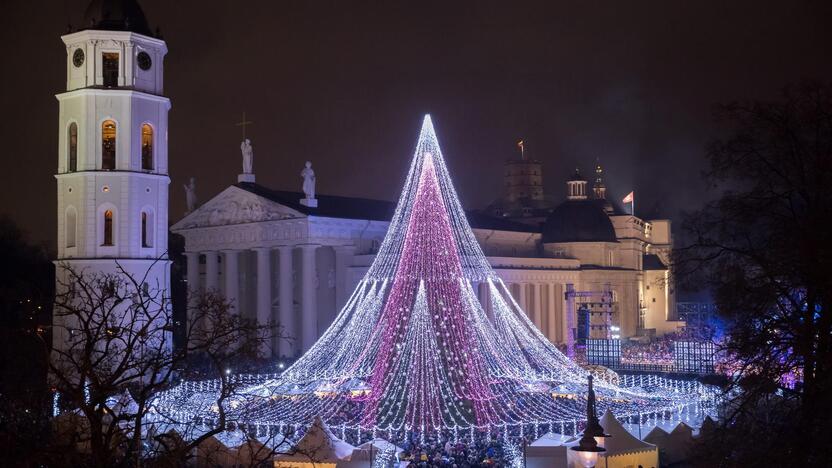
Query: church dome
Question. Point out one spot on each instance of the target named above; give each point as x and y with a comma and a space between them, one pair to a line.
578, 221
116, 15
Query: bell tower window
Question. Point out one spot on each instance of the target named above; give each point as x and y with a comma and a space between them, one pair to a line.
108, 228
109, 68
147, 147
71, 222
147, 232
72, 165
108, 145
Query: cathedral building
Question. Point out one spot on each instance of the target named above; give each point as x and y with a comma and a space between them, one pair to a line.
577, 264
585, 267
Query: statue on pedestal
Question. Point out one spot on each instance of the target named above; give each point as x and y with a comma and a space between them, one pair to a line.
190, 195
248, 156
308, 181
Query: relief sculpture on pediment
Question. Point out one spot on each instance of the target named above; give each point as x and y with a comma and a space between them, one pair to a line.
229, 210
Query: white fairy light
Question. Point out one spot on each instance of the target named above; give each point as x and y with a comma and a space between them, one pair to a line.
413, 349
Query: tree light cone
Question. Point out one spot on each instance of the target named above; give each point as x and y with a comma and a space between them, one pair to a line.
414, 350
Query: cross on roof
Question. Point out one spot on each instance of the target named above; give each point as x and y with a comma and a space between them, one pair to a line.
243, 123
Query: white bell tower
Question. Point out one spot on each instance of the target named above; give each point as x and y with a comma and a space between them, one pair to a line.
113, 149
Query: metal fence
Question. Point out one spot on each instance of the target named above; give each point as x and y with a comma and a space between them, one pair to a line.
689, 357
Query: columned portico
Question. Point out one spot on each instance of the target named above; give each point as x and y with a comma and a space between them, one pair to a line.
193, 277
264, 292
537, 307
309, 303
308, 287
551, 328
343, 259
212, 271
287, 347
231, 277
522, 300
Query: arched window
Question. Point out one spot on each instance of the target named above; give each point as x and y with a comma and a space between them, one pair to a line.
147, 147
72, 165
108, 228
108, 145
71, 223
147, 229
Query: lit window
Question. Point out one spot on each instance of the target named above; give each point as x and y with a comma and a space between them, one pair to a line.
147, 147
108, 228
108, 145
147, 232
71, 222
109, 68
73, 147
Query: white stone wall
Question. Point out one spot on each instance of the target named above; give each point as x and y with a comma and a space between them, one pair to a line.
128, 190
128, 45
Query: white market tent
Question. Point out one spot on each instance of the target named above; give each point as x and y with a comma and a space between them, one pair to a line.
252, 452
552, 439
676, 446
546, 456
212, 453
318, 448
622, 449
367, 452
657, 436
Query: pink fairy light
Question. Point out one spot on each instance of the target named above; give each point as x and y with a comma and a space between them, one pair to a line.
414, 349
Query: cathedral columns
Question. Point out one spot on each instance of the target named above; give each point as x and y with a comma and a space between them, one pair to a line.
264, 291
536, 306
521, 297
485, 299
309, 293
552, 313
193, 277
289, 344
231, 276
343, 259
212, 271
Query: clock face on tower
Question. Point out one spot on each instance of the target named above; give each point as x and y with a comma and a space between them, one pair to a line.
78, 57
144, 61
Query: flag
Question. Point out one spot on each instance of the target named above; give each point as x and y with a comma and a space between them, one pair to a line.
629, 198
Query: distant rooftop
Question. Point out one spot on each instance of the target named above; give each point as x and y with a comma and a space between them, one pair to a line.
116, 15
334, 206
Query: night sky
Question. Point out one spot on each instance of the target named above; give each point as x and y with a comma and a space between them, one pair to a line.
345, 84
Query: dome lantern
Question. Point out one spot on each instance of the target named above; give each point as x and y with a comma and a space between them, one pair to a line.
576, 186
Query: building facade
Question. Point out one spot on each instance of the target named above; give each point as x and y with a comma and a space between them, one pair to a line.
281, 261
112, 171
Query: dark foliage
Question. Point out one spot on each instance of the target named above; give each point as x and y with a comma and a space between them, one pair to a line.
26, 290
763, 249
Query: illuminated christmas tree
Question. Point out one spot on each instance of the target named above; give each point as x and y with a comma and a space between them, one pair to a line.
414, 349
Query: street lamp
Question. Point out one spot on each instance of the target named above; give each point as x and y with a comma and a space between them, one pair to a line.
588, 448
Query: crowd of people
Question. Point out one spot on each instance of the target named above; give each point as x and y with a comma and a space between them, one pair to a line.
446, 454
657, 351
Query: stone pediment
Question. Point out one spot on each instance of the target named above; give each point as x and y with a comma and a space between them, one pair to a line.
235, 206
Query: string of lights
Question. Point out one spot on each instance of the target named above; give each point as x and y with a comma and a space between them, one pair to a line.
415, 349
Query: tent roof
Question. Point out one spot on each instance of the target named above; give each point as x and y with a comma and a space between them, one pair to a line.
232, 438
123, 403
708, 425
552, 439
682, 428
319, 445
655, 435
621, 441
380, 444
